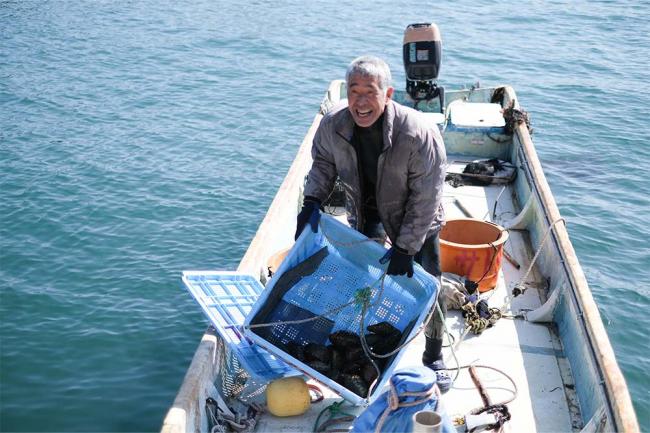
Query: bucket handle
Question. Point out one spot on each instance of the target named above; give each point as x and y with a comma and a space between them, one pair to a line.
501, 229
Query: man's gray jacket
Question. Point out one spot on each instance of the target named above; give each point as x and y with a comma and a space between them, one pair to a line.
410, 173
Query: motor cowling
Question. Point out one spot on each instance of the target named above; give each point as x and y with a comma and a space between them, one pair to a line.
422, 55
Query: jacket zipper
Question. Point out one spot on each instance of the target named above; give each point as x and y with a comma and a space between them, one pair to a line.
360, 218
380, 173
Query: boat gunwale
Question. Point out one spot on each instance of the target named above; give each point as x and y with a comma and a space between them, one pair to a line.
616, 391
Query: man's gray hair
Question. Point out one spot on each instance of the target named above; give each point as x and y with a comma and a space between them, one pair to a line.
370, 66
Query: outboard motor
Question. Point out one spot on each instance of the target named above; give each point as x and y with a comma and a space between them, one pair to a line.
422, 55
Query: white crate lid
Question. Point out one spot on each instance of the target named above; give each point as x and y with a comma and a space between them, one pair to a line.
476, 114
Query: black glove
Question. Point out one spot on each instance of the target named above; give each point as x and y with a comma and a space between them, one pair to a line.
400, 263
309, 214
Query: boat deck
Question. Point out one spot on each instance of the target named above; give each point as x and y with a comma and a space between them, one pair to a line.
530, 353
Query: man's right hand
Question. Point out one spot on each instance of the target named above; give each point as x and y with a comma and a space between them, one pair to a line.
309, 214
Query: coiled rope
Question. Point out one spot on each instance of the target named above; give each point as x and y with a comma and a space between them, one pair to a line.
336, 415
475, 322
514, 117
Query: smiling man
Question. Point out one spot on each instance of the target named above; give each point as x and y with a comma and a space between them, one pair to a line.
392, 165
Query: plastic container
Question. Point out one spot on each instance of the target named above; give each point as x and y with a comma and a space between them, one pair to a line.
323, 273
226, 298
276, 260
474, 249
477, 129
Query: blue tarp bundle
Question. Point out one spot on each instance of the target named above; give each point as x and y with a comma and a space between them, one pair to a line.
412, 380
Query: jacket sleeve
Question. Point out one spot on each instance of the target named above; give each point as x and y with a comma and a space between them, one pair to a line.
322, 175
426, 178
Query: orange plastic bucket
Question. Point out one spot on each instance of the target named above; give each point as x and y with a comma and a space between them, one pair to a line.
276, 260
474, 249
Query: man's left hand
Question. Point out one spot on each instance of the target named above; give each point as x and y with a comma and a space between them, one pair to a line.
401, 263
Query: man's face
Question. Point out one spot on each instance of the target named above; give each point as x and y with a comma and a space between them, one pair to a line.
366, 100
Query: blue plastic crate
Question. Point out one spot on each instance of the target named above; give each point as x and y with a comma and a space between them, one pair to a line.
226, 299
323, 271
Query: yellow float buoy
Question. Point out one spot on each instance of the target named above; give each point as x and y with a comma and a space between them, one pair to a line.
288, 396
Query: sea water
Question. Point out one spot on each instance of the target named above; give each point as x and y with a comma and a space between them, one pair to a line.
139, 139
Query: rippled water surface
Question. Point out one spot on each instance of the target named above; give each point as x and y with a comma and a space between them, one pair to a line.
138, 139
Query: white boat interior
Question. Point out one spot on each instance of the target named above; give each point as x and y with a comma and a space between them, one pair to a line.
551, 342
530, 353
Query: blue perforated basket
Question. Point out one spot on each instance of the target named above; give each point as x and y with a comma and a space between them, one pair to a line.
323, 271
